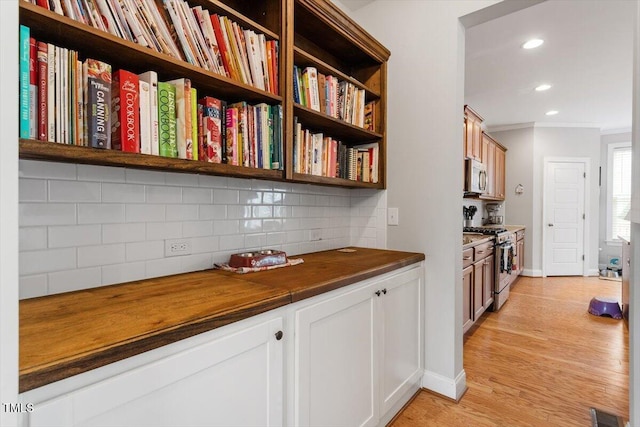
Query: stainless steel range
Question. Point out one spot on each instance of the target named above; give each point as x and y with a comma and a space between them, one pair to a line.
504, 251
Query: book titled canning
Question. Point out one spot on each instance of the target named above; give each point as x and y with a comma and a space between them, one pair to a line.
98, 103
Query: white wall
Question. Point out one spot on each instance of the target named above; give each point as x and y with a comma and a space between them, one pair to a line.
519, 170
8, 209
567, 142
607, 250
84, 226
424, 134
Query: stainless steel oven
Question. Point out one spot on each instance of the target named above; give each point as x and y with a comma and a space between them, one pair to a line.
504, 251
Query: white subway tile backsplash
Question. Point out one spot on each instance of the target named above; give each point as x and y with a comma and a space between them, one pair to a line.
32, 238
74, 191
32, 214
181, 212
197, 195
196, 262
36, 169
74, 235
226, 227
255, 241
44, 261
164, 230
121, 233
213, 211
138, 176
32, 190
276, 238
101, 173
73, 280
145, 213
98, 213
163, 194
234, 242
225, 197
123, 193
32, 286
90, 256
197, 228
141, 251
119, 229
208, 244
250, 197
262, 212
120, 273
182, 179
164, 267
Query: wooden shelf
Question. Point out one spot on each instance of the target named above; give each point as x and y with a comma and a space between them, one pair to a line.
39, 150
345, 50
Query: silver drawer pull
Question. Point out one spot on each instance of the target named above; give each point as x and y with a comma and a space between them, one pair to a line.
466, 258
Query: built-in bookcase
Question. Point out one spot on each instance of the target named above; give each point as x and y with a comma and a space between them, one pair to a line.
309, 33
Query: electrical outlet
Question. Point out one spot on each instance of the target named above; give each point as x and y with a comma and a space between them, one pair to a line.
176, 247
393, 216
315, 235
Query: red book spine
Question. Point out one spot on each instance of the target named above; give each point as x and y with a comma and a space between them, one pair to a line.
125, 108
221, 45
43, 3
212, 127
43, 88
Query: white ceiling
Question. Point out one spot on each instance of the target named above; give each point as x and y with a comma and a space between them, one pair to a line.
587, 56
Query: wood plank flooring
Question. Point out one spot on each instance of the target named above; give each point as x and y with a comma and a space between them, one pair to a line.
542, 360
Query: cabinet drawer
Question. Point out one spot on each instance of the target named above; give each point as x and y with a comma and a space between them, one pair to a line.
482, 251
467, 257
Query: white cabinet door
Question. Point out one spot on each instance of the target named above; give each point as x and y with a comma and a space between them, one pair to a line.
336, 372
236, 380
400, 325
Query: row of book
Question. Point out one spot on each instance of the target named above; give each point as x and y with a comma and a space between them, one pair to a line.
320, 155
337, 98
69, 101
192, 34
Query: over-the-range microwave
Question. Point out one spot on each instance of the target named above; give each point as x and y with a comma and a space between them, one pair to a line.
476, 177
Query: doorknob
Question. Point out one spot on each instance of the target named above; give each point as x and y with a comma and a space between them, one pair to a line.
550, 225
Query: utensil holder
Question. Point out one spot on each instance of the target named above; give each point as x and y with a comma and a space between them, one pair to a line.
468, 223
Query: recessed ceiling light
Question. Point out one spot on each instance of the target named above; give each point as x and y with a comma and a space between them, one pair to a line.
551, 113
543, 87
533, 43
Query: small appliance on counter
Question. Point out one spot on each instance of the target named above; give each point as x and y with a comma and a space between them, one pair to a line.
493, 218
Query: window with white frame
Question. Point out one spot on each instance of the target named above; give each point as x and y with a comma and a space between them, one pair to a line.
618, 190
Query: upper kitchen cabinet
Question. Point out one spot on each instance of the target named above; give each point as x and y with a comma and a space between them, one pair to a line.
472, 134
494, 156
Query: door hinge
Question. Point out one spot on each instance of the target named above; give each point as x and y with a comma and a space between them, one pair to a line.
583, 216
584, 174
583, 257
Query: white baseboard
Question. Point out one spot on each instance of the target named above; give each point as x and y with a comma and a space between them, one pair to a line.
531, 273
593, 272
445, 386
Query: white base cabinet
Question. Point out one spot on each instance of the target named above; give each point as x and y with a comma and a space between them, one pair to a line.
357, 353
236, 380
353, 357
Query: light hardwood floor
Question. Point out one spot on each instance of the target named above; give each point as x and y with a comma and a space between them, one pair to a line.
542, 360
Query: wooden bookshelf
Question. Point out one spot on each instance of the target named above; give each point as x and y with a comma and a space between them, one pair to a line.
345, 50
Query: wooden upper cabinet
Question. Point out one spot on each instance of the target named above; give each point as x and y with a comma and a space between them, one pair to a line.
472, 134
494, 156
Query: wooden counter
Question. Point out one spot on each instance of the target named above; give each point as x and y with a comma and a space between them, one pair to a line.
67, 334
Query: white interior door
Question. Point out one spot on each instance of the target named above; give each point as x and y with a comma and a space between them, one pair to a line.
563, 227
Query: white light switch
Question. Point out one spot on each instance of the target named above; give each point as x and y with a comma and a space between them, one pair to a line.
393, 216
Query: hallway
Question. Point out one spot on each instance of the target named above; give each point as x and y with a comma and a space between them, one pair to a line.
543, 360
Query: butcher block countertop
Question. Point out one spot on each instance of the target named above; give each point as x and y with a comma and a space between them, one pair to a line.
66, 334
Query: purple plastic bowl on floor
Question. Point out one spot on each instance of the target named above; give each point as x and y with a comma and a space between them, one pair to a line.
601, 306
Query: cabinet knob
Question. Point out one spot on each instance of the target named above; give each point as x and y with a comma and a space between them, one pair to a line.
378, 293
384, 291
279, 335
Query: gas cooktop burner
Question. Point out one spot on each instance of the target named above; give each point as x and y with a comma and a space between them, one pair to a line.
485, 230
